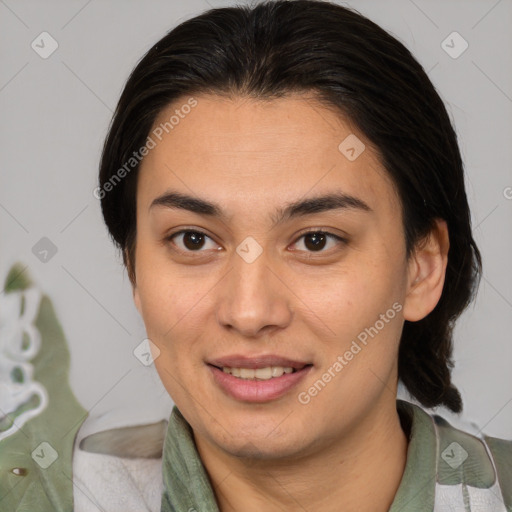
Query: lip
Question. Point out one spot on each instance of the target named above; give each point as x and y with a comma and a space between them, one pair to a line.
255, 362
257, 391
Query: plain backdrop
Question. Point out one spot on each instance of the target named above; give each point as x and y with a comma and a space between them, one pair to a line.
54, 115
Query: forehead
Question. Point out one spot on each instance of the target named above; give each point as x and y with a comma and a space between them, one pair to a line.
250, 152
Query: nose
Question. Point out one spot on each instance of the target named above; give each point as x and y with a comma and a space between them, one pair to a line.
254, 299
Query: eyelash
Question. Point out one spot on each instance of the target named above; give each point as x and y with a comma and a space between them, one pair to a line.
338, 238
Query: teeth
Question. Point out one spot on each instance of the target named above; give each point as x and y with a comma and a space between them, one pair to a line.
258, 374
277, 371
263, 373
246, 373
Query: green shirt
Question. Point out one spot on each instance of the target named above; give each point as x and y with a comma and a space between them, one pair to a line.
447, 469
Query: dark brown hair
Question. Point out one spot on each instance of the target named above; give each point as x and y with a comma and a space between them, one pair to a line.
280, 47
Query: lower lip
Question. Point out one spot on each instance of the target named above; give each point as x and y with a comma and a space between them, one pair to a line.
260, 391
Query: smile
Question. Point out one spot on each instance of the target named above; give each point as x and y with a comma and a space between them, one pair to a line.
269, 372
257, 379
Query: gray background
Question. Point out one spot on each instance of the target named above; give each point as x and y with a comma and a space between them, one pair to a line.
54, 115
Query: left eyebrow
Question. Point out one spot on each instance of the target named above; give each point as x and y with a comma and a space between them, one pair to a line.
319, 204
309, 206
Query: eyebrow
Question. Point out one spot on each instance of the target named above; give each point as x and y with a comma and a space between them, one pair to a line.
309, 206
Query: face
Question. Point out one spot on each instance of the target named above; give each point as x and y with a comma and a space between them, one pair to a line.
300, 299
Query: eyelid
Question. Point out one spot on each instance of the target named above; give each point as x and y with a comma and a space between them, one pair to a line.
325, 231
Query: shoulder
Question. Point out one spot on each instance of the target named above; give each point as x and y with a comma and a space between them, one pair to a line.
119, 469
472, 470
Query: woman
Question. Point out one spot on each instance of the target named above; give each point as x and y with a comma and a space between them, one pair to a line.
288, 194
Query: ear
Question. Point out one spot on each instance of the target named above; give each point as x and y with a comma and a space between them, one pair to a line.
426, 272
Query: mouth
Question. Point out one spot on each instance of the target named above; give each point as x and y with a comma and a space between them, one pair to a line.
269, 372
257, 379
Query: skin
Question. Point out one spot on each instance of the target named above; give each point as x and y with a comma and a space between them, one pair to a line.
252, 157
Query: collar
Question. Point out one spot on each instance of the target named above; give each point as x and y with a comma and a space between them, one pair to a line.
186, 483
187, 486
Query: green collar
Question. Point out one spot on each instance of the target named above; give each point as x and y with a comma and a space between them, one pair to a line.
187, 486
417, 487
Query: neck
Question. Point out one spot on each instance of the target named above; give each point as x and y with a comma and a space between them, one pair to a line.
362, 472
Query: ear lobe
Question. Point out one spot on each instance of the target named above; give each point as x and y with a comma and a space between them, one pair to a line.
427, 271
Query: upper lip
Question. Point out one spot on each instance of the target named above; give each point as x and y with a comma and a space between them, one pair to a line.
255, 362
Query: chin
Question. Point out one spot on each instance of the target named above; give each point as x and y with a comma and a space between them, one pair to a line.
260, 440
263, 449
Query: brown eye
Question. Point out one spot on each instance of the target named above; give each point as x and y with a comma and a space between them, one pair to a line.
191, 241
317, 241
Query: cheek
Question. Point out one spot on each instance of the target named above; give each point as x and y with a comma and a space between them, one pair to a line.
170, 310
164, 298
354, 295
363, 313
174, 305
362, 306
